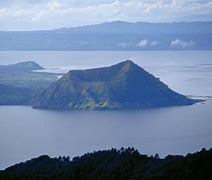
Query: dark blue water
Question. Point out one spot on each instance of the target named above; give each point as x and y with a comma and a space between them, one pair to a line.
27, 133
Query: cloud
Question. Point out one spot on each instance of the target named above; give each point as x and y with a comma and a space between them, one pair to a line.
177, 43
145, 43
47, 14
142, 43
154, 43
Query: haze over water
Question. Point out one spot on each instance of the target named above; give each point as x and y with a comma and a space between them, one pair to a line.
27, 133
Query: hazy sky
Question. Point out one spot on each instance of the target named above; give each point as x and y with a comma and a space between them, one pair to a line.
50, 14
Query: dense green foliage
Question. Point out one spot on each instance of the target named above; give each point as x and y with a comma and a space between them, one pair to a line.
19, 82
121, 86
14, 95
123, 164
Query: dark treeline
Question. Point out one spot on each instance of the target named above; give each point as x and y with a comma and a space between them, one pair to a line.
114, 165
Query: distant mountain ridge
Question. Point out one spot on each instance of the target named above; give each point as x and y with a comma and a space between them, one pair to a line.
121, 86
145, 27
117, 35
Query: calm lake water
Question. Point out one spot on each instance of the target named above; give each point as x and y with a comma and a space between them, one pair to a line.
27, 133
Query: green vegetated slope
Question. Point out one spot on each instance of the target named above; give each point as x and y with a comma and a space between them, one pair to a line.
20, 82
14, 95
122, 86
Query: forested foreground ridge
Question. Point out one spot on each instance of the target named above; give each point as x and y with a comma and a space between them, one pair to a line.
114, 165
